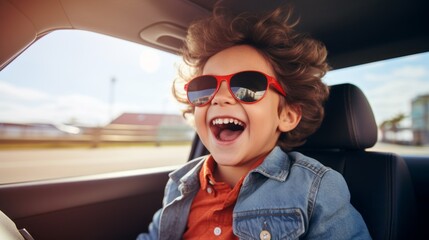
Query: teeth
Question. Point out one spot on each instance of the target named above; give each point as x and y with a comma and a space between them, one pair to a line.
219, 121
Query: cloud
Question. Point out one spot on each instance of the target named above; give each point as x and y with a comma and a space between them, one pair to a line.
390, 86
15, 106
411, 72
400, 74
150, 60
395, 90
18, 104
395, 98
9, 91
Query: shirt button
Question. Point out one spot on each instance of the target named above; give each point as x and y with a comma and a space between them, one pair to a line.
217, 231
265, 235
209, 190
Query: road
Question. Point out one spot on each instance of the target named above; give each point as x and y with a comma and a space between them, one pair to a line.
401, 149
30, 165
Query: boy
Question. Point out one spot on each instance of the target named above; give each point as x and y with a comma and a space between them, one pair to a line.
256, 93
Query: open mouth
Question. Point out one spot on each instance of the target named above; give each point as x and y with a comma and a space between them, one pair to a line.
227, 129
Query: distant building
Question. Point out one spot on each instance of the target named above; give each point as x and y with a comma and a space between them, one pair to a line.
35, 130
149, 119
420, 119
152, 127
128, 127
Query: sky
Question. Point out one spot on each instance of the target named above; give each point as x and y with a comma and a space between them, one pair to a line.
389, 85
66, 77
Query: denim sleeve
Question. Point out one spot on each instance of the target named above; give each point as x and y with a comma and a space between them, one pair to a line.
333, 216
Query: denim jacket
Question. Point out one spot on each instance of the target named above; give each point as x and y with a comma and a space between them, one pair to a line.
288, 196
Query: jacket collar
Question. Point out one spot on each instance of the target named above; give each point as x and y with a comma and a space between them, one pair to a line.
186, 177
275, 166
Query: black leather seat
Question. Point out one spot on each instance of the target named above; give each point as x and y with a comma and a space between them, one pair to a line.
379, 183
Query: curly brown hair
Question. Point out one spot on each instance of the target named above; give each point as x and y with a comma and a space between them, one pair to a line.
299, 61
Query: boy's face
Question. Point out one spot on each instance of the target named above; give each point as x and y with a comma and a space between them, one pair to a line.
261, 121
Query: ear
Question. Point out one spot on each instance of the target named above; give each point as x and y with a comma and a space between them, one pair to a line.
289, 118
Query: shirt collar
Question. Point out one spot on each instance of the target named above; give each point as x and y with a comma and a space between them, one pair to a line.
206, 173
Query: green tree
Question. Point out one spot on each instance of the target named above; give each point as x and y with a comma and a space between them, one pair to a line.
391, 125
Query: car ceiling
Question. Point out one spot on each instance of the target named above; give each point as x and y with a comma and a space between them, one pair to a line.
355, 32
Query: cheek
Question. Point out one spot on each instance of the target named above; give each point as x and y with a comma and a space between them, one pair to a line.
265, 113
200, 118
269, 106
266, 120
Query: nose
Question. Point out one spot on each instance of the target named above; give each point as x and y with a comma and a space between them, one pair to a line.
223, 95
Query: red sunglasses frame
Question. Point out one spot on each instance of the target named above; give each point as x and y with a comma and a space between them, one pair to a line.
271, 81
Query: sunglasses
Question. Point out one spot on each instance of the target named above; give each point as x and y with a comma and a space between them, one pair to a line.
246, 87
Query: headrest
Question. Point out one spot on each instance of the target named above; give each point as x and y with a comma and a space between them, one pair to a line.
349, 122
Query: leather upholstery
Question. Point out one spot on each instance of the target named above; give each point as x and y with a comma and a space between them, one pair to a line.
349, 122
379, 183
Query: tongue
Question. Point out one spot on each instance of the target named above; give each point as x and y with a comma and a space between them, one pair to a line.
229, 135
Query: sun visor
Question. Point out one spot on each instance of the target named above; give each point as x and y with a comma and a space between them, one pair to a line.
165, 35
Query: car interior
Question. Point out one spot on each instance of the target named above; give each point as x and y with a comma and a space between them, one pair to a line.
389, 209
389, 190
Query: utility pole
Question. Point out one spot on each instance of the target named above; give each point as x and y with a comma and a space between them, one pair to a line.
112, 97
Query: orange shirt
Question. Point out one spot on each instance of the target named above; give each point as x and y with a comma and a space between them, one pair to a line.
210, 216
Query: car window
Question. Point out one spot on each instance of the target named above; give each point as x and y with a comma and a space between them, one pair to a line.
398, 92
77, 103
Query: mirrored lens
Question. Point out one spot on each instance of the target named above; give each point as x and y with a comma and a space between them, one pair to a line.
249, 86
201, 89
